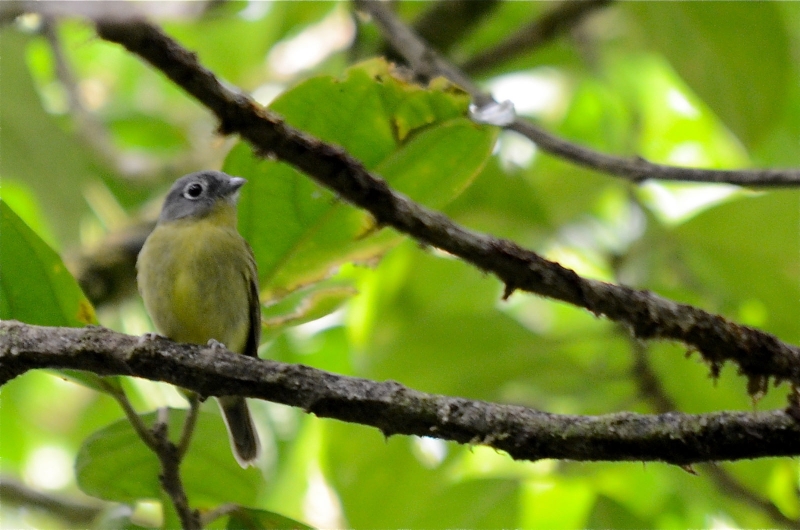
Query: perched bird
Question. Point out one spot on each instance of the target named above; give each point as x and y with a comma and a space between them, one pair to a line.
197, 276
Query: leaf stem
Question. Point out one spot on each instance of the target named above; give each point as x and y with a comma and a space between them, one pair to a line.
189, 424
133, 417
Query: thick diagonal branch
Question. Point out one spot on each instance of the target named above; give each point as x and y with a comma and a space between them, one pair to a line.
394, 409
758, 354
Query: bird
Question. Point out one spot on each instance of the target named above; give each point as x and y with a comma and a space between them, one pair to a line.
198, 279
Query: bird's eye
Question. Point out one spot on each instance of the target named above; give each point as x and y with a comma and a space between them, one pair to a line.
193, 190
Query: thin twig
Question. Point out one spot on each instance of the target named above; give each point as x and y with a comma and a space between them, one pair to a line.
564, 16
523, 433
95, 135
426, 62
423, 59
637, 169
169, 455
189, 425
73, 512
650, 387
171, 483
88, 127
734, 489
134, 419
445, 23
107, 272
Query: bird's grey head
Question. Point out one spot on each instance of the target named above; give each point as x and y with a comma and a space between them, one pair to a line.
195, 194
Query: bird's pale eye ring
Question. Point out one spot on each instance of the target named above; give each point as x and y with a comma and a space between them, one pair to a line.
193, 191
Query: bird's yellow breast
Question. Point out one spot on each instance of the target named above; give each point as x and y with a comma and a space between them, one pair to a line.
194, 276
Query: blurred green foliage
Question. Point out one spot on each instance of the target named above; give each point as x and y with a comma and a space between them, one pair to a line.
699, 84
114, 464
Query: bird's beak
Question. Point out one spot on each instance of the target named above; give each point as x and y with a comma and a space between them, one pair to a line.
233, 189
235, 183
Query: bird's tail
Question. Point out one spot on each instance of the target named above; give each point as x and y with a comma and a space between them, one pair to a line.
241, 431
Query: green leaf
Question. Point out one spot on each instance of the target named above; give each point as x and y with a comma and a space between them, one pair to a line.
412, 137
36, 287
742, 72
114, 464
305, 305
20, 198
369, 112
382, 483
445, 314
250, 519
107, 385
730, 265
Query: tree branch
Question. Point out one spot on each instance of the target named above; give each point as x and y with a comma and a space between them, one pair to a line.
445, 23
107, 272
637, 169
169, 455
523, 433
734, 489
426, 62
130, 164
74, 512
89, 128
759, 355
533, 35
652, 390
133, 418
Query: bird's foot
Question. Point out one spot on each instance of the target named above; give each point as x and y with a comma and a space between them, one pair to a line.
149, 337
216, 345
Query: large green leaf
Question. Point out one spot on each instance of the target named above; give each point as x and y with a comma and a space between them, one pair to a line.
445, 315
366, 469
735, 55
731, 265
35, 286
114, 464
413, 137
